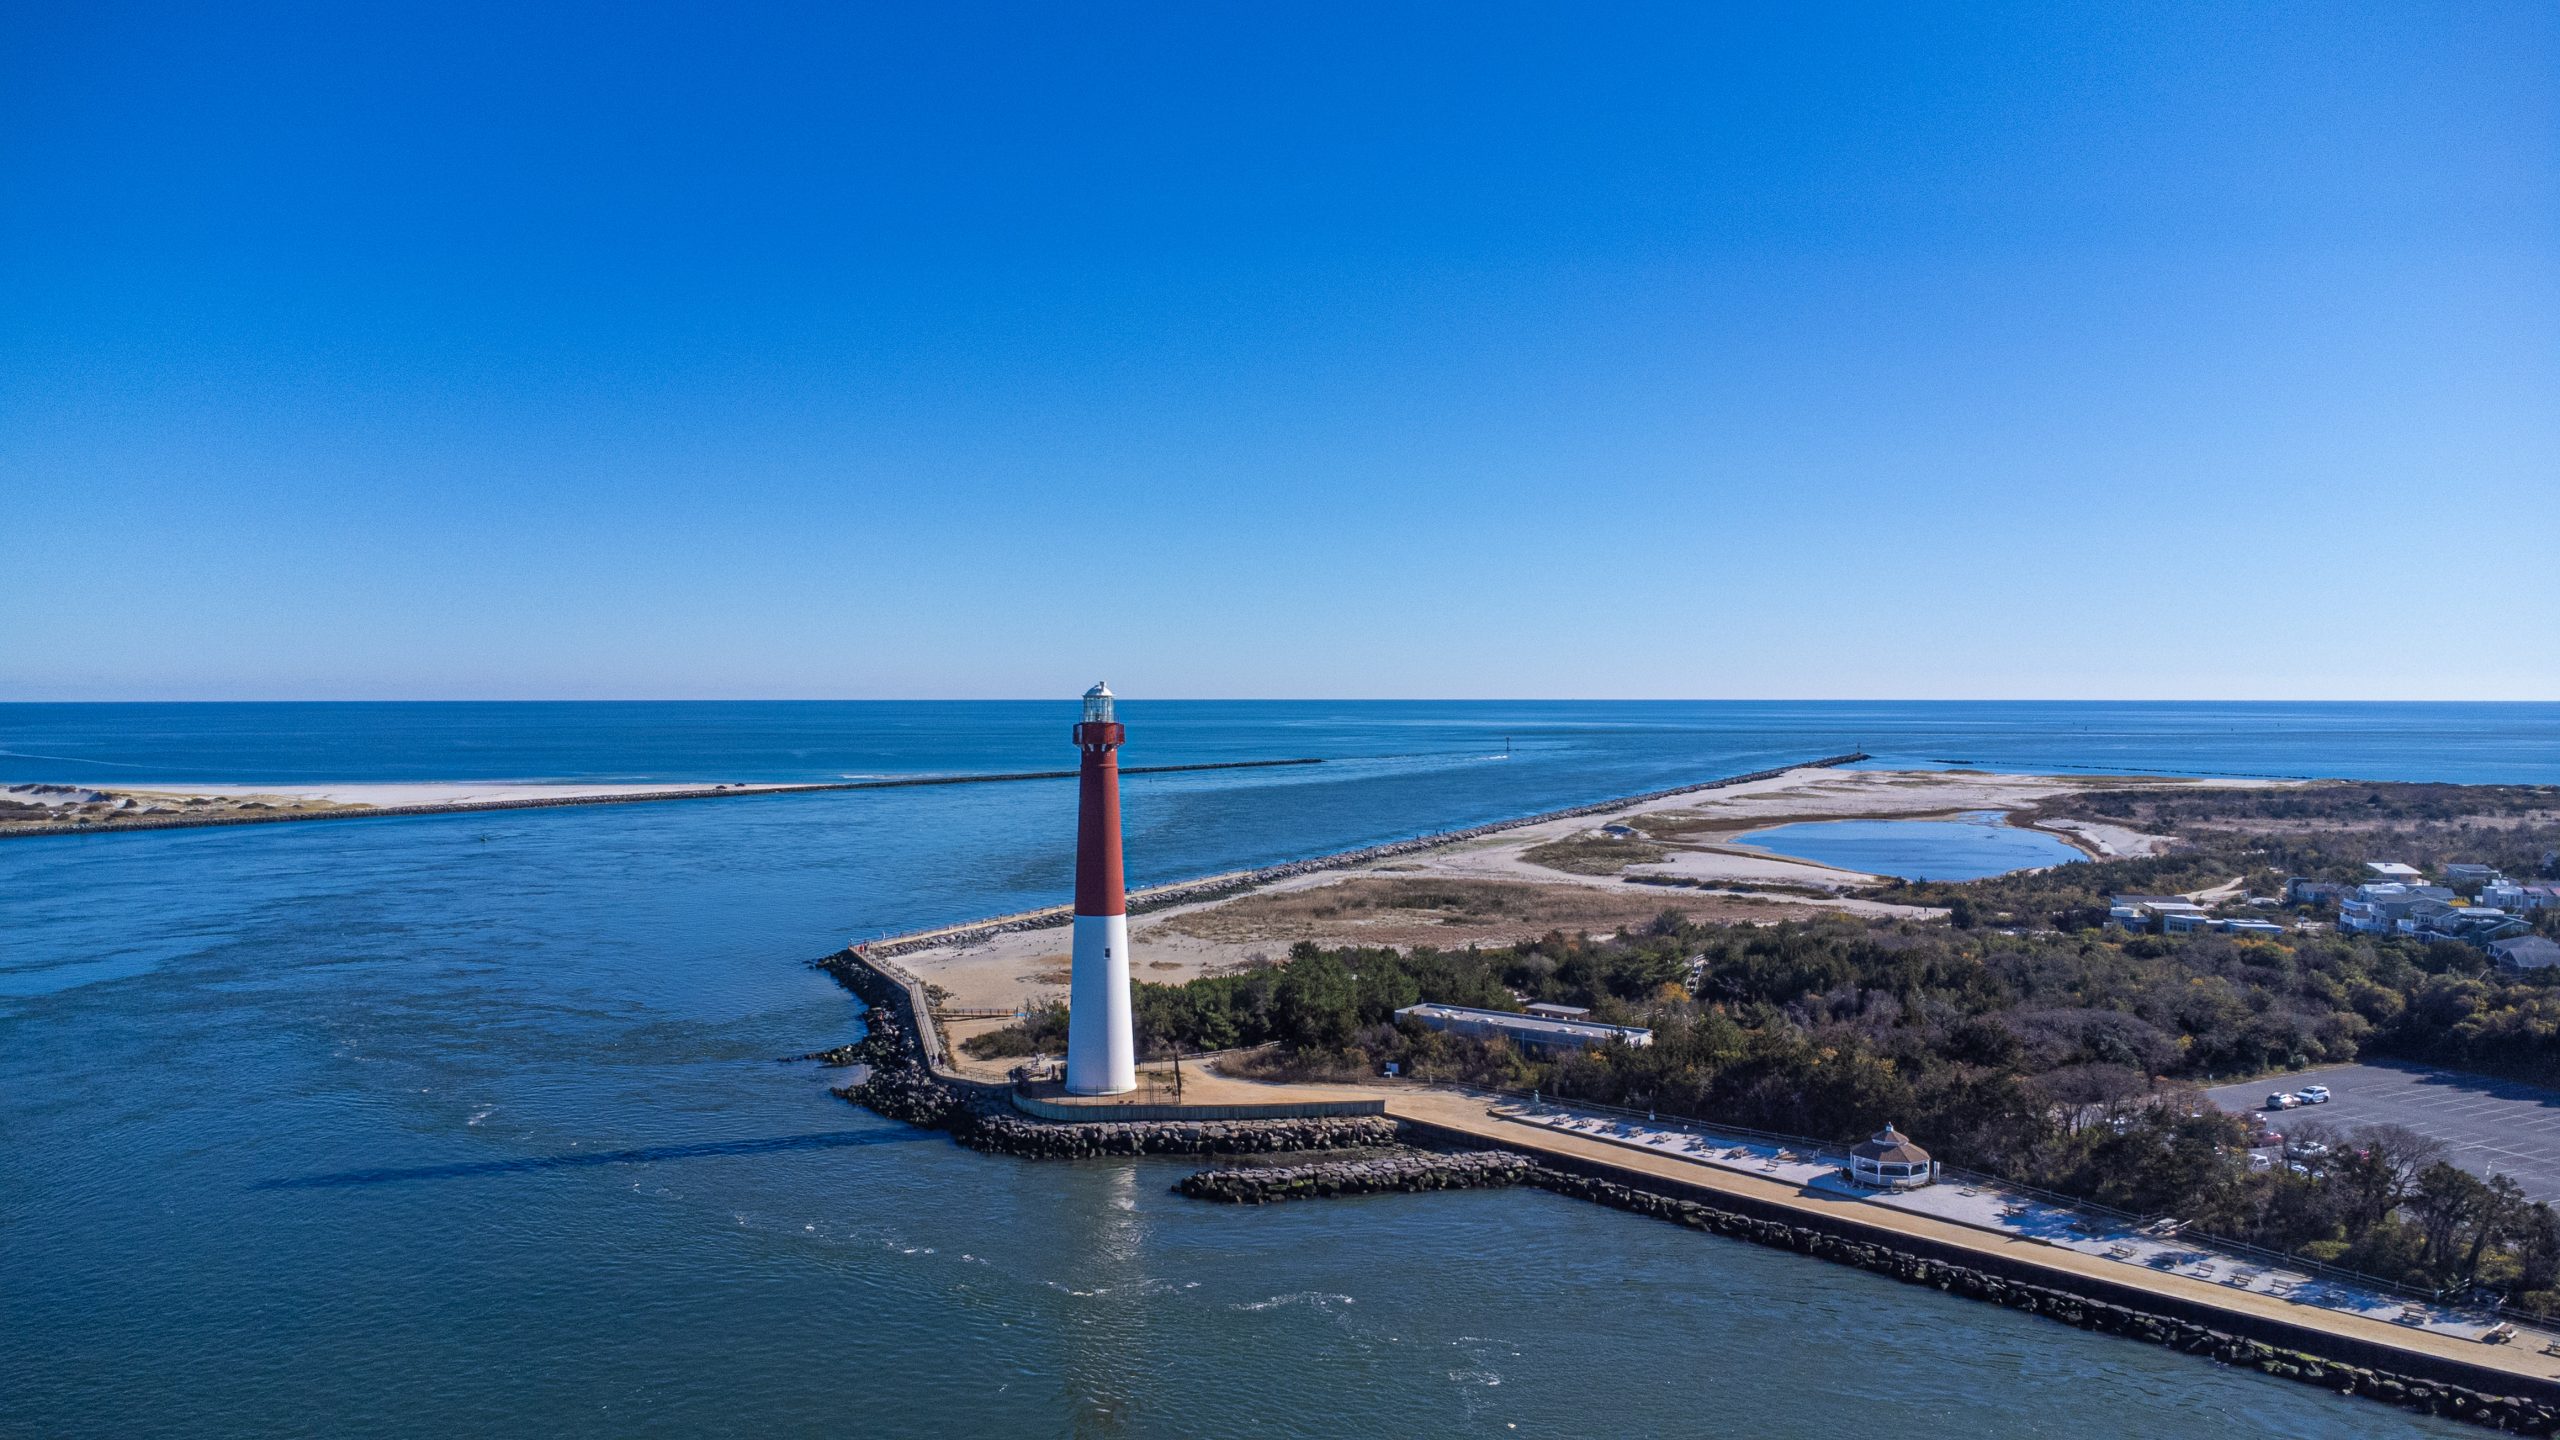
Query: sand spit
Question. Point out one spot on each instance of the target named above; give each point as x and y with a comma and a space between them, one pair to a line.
1486, 890
49, 809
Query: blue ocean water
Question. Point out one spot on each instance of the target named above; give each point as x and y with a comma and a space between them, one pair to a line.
1966, 849
826, 740
480, 1125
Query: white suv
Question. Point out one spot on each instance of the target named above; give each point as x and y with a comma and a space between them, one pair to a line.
2313, 1094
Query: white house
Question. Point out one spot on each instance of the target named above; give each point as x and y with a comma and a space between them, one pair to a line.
2525, 952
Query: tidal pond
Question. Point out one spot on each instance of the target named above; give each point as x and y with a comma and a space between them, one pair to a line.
1977, 845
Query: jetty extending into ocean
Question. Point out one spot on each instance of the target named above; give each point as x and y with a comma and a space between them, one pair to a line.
92, 811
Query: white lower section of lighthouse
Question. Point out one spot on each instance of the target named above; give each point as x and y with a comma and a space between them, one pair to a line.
1102, 1050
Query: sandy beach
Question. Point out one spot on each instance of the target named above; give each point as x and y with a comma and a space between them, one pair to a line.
425, 792
1493, 890
41, 809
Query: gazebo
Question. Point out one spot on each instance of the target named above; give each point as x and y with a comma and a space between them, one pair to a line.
1890, 1162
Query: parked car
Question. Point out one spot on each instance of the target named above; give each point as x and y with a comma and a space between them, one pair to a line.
2282, 1100
2313, 1094
2306, 1150
2260, 1140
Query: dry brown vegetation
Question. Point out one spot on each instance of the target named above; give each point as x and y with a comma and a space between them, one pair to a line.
1592, 855
1375, 910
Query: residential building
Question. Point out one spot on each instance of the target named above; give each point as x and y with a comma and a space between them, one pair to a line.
2420, 913
2375, 909
2471, 924
2150, 912
2525, 952
2389, 888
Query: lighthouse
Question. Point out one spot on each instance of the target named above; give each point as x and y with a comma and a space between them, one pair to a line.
1102, 1053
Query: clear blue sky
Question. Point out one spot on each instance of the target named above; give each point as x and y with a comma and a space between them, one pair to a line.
510, 350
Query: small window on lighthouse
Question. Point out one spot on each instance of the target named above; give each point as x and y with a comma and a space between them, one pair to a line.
1097, 705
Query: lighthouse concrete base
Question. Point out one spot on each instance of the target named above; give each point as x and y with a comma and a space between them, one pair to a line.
1102, 1049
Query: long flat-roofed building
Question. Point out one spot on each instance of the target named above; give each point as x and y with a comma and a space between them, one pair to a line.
1534, 1032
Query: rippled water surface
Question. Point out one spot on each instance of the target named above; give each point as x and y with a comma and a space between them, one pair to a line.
480, 1125
1966, 849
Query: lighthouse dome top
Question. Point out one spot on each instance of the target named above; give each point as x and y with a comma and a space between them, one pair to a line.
1097, 703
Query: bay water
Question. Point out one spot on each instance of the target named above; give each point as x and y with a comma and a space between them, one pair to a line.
485, 1124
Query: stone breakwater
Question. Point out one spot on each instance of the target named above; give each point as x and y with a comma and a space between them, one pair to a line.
1216, 886
2521, 1414
1047, 1140
1391, 1174
902, 1086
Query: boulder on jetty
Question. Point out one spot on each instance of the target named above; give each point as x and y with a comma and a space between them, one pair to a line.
911, 1094
1049, 1140
1390, 1174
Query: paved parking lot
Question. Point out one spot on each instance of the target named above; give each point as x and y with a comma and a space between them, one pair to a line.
2487, 1126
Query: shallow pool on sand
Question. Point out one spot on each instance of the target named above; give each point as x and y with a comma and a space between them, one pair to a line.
1980, 844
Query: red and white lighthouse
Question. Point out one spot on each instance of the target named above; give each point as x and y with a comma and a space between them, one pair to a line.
1102, 1053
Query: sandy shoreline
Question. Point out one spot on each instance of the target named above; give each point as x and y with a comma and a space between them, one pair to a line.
1487, 890
36, 808
432, 792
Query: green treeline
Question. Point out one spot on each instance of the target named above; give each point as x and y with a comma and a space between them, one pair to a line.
2020, 1039
2068, 1061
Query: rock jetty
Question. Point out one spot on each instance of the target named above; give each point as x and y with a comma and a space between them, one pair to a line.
1049, 1140
2515, 1413
1389, 1174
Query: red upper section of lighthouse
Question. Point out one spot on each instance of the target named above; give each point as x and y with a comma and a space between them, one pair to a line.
1099, 889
